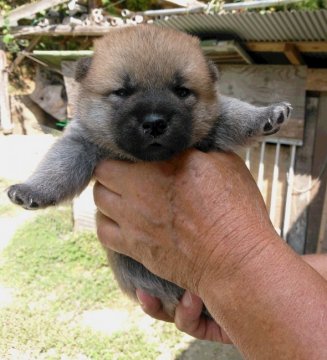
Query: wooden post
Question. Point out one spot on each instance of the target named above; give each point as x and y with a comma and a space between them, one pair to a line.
322, 239
293, 55
319, 174
5, 116
302, 180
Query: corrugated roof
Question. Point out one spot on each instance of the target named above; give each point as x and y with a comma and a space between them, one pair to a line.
253, 26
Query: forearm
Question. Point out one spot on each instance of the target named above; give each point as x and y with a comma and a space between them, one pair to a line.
280, 313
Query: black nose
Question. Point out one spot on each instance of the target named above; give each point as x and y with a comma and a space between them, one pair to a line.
154, 124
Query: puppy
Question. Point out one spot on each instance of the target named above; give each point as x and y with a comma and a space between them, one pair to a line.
147, 94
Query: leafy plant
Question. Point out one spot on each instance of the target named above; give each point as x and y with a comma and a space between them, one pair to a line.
8, 39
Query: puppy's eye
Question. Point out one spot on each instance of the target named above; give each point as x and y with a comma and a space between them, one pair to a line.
122, 92
182, 91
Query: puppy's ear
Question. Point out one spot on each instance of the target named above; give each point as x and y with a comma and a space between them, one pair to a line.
213, 70
82, 67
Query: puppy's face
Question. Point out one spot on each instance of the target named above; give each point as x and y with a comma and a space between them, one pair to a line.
148, 93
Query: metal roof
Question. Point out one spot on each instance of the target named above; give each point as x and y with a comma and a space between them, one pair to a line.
253, 26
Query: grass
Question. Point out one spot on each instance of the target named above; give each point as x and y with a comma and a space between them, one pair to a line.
55, 276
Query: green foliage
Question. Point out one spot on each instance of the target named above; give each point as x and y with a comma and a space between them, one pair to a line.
8, 39
304, 5
140, 5
311, 5
64, 43
12, 4
4, 7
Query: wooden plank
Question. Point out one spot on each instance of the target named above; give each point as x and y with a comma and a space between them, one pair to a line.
317, 80
302, 180
293, 55
5, 115
29, 10
263, 85
315, 220
279, 190
322, 239
58, 30
302, 46
242, 52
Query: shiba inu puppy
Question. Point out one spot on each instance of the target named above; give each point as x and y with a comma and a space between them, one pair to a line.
147, 94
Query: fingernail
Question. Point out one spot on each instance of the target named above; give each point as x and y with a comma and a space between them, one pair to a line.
187, 299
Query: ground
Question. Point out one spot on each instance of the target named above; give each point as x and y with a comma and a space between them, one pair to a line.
58, 299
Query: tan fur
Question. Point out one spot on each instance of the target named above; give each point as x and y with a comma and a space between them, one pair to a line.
152, 64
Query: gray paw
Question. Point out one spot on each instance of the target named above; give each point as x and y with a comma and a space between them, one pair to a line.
277, 115
27, 197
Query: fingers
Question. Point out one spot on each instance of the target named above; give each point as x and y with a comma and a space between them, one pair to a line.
108, 203
110, 173
108, 232
152, 306
188, 313
188, 316
189, 319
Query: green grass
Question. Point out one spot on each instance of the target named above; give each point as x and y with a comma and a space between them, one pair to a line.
56, 276
45, 256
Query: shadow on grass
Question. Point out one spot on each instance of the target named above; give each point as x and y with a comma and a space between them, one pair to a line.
206, 350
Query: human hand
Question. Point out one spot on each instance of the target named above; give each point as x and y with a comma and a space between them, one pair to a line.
188, 317
191, 220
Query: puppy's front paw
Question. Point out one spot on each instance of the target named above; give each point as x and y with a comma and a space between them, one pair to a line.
277, 115
27, 197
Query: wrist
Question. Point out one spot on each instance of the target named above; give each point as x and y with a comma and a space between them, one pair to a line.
262, 304
235, 257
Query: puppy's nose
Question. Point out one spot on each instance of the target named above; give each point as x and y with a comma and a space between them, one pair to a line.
154, 124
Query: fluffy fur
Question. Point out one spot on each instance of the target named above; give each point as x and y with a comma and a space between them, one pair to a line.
147, 94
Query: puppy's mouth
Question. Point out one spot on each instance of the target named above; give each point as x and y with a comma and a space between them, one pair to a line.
156, 151
155, 145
